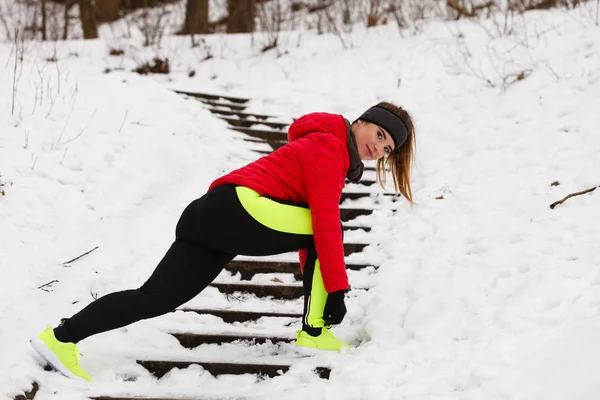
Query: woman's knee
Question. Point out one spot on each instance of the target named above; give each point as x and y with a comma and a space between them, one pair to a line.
154, 304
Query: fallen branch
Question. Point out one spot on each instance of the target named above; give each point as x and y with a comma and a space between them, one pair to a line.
124, 118
47, 284
77, 258
572, 195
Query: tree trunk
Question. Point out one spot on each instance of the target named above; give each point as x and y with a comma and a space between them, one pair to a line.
44, 37
241, 16
196, 17
68, 5
88, 19
107, 10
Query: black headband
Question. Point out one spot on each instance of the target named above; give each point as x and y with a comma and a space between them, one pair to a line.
389, 121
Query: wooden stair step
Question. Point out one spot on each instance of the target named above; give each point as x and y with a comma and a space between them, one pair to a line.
348, 214
247, 123
263, 152
362, 195
282, 292
248, 268
231, 106
355, 228
265, 134
149, 398
154, 398
192, 340
367, 182
240, 114
230, 316
30, 394
160, 368
212, 97
274, 144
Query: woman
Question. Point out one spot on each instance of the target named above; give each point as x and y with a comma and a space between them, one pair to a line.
285, 201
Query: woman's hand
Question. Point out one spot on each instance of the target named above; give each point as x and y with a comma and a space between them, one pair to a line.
335, 308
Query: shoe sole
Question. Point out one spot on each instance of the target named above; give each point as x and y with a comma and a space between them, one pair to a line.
43, 350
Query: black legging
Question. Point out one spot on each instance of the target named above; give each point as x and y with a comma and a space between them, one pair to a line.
210, 233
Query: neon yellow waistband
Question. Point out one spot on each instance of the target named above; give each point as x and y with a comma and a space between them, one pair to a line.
280, 217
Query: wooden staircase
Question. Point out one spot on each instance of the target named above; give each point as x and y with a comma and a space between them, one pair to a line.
260, 128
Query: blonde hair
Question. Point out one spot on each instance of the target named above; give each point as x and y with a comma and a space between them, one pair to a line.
400, 161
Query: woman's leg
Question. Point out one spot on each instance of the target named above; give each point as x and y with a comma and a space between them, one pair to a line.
210, 232
315, 336
315, 295
185, 271
237, 220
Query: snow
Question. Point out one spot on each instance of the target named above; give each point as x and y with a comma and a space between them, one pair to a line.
484, 294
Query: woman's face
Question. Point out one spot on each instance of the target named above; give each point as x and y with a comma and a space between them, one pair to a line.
372, 141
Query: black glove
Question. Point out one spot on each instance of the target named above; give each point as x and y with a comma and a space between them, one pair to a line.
335, 308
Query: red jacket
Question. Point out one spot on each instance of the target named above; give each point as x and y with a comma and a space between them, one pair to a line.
310, 169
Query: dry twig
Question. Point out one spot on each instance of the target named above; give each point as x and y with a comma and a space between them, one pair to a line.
47, 284
556, 203
77, 258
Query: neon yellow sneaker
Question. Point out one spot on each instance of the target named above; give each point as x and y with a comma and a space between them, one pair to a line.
326, 342
64, 357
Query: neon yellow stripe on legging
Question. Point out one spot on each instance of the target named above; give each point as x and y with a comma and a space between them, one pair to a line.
280, 217
317, 300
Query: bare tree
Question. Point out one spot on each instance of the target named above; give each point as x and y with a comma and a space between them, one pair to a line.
196, 17
151, 23
88, 19
44, 37
107, 10
68, 5
375, 13
270, 19
241, 16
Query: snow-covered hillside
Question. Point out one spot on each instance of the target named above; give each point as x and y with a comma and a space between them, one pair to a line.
483, 291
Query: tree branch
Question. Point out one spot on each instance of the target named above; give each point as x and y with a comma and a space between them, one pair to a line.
460, 9
77, 258
47, 284
572, 195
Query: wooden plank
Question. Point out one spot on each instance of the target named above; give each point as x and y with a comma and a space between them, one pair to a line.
248, 123
30, 394
230, 316
161, 368
152, 398
212, 97
192, 340
274, 144
248, 268
265, 134
231, 106
362, 195
366, 182
348, 214
284, 292
240, 114
355, 228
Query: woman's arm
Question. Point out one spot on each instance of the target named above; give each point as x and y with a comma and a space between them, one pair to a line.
323, 170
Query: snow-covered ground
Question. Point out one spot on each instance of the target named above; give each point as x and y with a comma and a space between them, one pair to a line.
486, 293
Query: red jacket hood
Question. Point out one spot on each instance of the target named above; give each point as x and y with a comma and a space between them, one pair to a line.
334, 124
